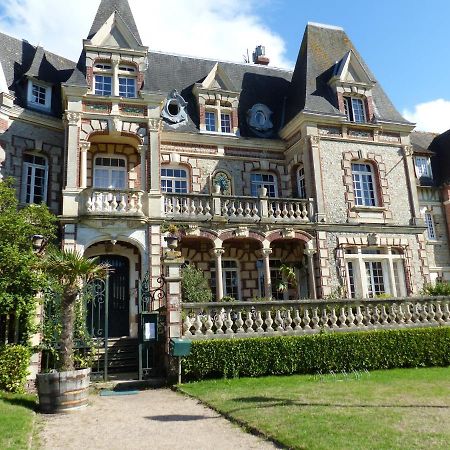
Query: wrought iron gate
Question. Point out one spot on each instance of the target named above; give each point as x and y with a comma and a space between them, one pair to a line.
96, 295
151, 324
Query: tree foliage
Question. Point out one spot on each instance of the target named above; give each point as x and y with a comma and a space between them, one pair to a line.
19, 277
194, 286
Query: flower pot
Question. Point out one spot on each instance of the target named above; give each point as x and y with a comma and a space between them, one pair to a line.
217, 189
61, 392
172, 241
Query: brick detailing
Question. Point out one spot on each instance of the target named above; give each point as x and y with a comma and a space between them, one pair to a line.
90, 77
423, 259
234, 119
340, 99
95, 126
188, 148
253, 153
202, 116
379, 172
369, 108
3, 125
140, 80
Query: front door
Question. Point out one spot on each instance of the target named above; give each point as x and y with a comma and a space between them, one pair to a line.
118, 295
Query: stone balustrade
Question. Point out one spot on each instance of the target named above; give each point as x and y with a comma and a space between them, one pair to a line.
199, 207
126, 202
249, 319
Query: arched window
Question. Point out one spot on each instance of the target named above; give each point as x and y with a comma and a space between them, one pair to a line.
110, 172
364, 184
174, 180
267, 180
301, 187
34, 178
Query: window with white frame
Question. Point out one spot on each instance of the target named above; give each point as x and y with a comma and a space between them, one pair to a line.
34, 179
103, 85
355, 110
423, 167
372, 272
267, 180
107, 82
225, 123
210, 121
174, 180
230, 278
127, 81
39, 95
301, 186
431, 230
110, 172
364, 184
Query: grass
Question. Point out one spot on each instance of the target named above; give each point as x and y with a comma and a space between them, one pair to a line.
391, 409
16, 420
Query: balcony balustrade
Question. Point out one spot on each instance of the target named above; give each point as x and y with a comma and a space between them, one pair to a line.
247, 319
200, 207
123, 202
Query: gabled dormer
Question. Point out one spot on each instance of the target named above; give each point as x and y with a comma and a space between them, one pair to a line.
353, 87
115, 57
218, 101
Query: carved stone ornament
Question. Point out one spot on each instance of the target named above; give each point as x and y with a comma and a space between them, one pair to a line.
259, 119
85, 146
153, 124
115, 124
373, 239
408, 150
174, 109
241, 232
73, 117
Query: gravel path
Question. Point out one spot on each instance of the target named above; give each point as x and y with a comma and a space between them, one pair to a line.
155, 419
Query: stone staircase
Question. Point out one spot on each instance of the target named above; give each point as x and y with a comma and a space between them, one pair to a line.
122, 355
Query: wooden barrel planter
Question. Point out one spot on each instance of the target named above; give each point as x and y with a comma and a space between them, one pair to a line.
63, 391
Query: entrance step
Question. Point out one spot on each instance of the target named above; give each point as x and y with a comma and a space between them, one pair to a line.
122, 355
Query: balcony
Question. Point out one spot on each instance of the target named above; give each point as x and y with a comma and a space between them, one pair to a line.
202, 207
123, 202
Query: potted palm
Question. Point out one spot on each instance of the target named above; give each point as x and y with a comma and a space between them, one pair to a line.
67, 388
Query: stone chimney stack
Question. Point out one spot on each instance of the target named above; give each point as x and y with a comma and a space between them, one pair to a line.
259, 56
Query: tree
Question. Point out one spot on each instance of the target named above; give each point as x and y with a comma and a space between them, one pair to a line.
72, 271
19, 279
194, 286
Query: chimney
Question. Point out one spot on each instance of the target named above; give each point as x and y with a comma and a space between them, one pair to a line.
259, 56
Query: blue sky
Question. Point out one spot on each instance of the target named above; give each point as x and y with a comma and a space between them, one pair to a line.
405, 43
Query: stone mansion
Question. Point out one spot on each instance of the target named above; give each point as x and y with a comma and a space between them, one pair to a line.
257, 167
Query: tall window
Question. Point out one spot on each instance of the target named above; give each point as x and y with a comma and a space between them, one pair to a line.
210, 121
354, 109
431, 230
34, 179
225, 123
230, 278
174, 180
301, 187
423, 167
110, 172
267, 180
375, 280
363, 184
127, 81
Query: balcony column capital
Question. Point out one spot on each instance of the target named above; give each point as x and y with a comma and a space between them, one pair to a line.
85, 146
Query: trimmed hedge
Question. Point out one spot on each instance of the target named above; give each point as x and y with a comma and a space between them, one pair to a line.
325, 352
14, 362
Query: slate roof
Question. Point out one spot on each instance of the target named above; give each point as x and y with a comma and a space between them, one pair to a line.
421, 142
257, 84
20, 59
322, 48
106, 8
440, 161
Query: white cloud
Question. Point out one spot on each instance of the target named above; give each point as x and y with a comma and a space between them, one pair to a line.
430, 116
223, 29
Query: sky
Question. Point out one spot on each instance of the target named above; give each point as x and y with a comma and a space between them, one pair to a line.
404, 42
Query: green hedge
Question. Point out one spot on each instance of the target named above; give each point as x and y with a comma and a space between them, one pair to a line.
325, 352
14, 362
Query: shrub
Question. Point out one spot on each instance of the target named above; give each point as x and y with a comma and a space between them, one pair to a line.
194, 286
325, 352
438, 288
14, 361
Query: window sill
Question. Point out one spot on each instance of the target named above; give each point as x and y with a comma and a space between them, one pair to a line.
38, 107
374, 209
217, 133
435, 241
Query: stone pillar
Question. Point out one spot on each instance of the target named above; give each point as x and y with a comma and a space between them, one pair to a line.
143, 161
155, 175
315, 164
412, 186
84, 147
115, 75
310, 252
218, 252
393, 287
73, 122
263, 203
266, 252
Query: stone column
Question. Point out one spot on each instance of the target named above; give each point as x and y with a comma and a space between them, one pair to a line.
84, 147
218, 252
393, 287
115, 75
143, 161
266, 252
155, 175
412, 186
310, 251
73, 122
315, 164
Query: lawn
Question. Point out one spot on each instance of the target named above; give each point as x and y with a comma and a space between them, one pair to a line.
392, 409
16, 420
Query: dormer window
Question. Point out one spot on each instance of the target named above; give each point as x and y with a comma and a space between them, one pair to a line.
225, 123
210, 121
354, 109
127, 81
118, 80
423, 167
39, 95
